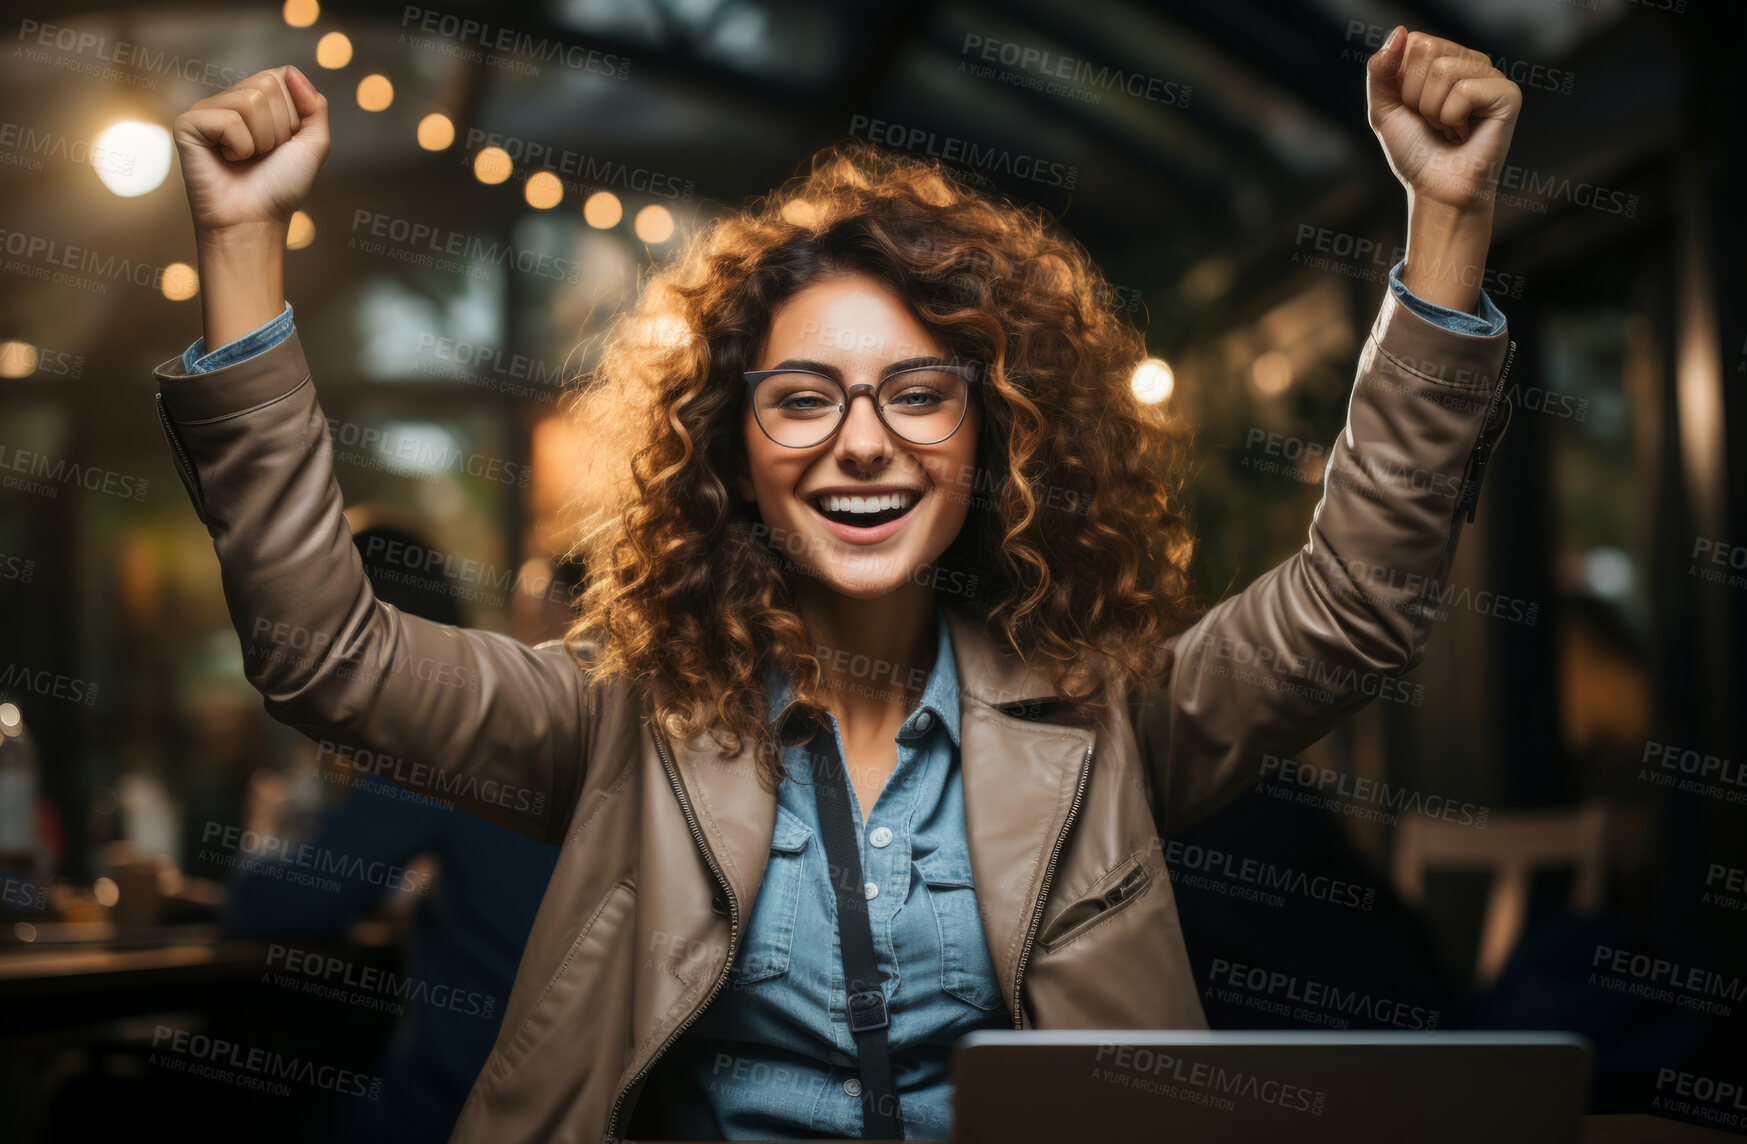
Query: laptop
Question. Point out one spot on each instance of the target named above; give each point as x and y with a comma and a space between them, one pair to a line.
1118, 1086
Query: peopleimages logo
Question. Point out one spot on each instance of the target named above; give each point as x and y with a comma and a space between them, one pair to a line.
584, 172
320, 974
1701, 1097
1236, 876
1075, 71
1336, 785
1658, 979
1164, 1066
479, 42
216, 1058
979, 159
1303, 999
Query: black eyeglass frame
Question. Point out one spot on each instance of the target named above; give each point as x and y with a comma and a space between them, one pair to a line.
970, 373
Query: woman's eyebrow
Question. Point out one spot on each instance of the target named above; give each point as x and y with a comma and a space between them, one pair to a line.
836, 374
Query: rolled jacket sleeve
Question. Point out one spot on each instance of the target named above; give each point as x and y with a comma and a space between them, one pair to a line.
1490, 320
196, 359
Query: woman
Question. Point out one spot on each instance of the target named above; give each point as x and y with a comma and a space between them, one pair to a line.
968, 590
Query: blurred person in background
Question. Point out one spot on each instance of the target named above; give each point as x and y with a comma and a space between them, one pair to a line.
466, 935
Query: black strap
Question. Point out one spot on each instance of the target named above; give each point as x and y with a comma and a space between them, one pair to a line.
880, 1116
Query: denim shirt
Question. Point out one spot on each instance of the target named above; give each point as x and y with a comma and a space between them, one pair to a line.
196, 360
772, 1056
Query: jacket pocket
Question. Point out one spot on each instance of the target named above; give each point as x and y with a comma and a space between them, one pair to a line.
770, 938
1124, 883
966, 971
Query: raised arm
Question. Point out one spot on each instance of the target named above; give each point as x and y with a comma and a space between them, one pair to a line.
1274, 668
472, 718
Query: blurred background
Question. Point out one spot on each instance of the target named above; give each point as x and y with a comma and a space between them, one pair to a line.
1552, 812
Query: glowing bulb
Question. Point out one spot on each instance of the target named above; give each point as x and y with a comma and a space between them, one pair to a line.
603, 210
654, 224
301, 232
141, 154
436, 132
375, 93
333, 50
180, 282
17, 359
301, 13
543, 191
1153, 381
492, 165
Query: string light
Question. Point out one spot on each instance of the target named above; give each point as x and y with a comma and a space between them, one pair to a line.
654, 223
543, 190
436, 131
301, 232
301, 13
17, 359
333, 50
603, 210
375, 93
1153, 381
492, 165
180, 282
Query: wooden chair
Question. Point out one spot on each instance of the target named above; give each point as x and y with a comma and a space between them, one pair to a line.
1512, 847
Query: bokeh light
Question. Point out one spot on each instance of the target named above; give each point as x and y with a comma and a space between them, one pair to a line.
17, 359
301, 13
1153, 381
375, 93
132, 157
333, 50
654, 223
492, 165
301, 232
1271, 373
436, 131
543, 191
180, 282
603, 210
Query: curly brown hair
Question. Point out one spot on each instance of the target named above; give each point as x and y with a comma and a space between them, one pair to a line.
683, 596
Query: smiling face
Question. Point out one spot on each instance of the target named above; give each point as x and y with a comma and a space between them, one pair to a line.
858, 327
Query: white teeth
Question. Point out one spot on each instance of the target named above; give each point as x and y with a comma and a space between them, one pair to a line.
834, 503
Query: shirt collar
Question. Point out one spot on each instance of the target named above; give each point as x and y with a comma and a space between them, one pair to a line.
939, 696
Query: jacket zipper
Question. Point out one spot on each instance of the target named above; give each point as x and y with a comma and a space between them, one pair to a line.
188, 472
1484, 443
1043, 893
1129, 884
733, 933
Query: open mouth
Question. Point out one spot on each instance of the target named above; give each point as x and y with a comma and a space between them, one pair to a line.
865, 512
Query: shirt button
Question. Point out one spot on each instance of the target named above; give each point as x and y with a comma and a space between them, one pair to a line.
852, 1086
881, 836
871, 890
924, 721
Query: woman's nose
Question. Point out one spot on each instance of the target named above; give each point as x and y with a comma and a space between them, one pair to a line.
864, 438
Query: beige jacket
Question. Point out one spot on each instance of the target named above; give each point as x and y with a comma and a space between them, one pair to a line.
663, 847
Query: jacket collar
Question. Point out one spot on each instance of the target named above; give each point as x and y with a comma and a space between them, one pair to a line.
1020, 779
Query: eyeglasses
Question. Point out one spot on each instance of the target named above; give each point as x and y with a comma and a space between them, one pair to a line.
800, 408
